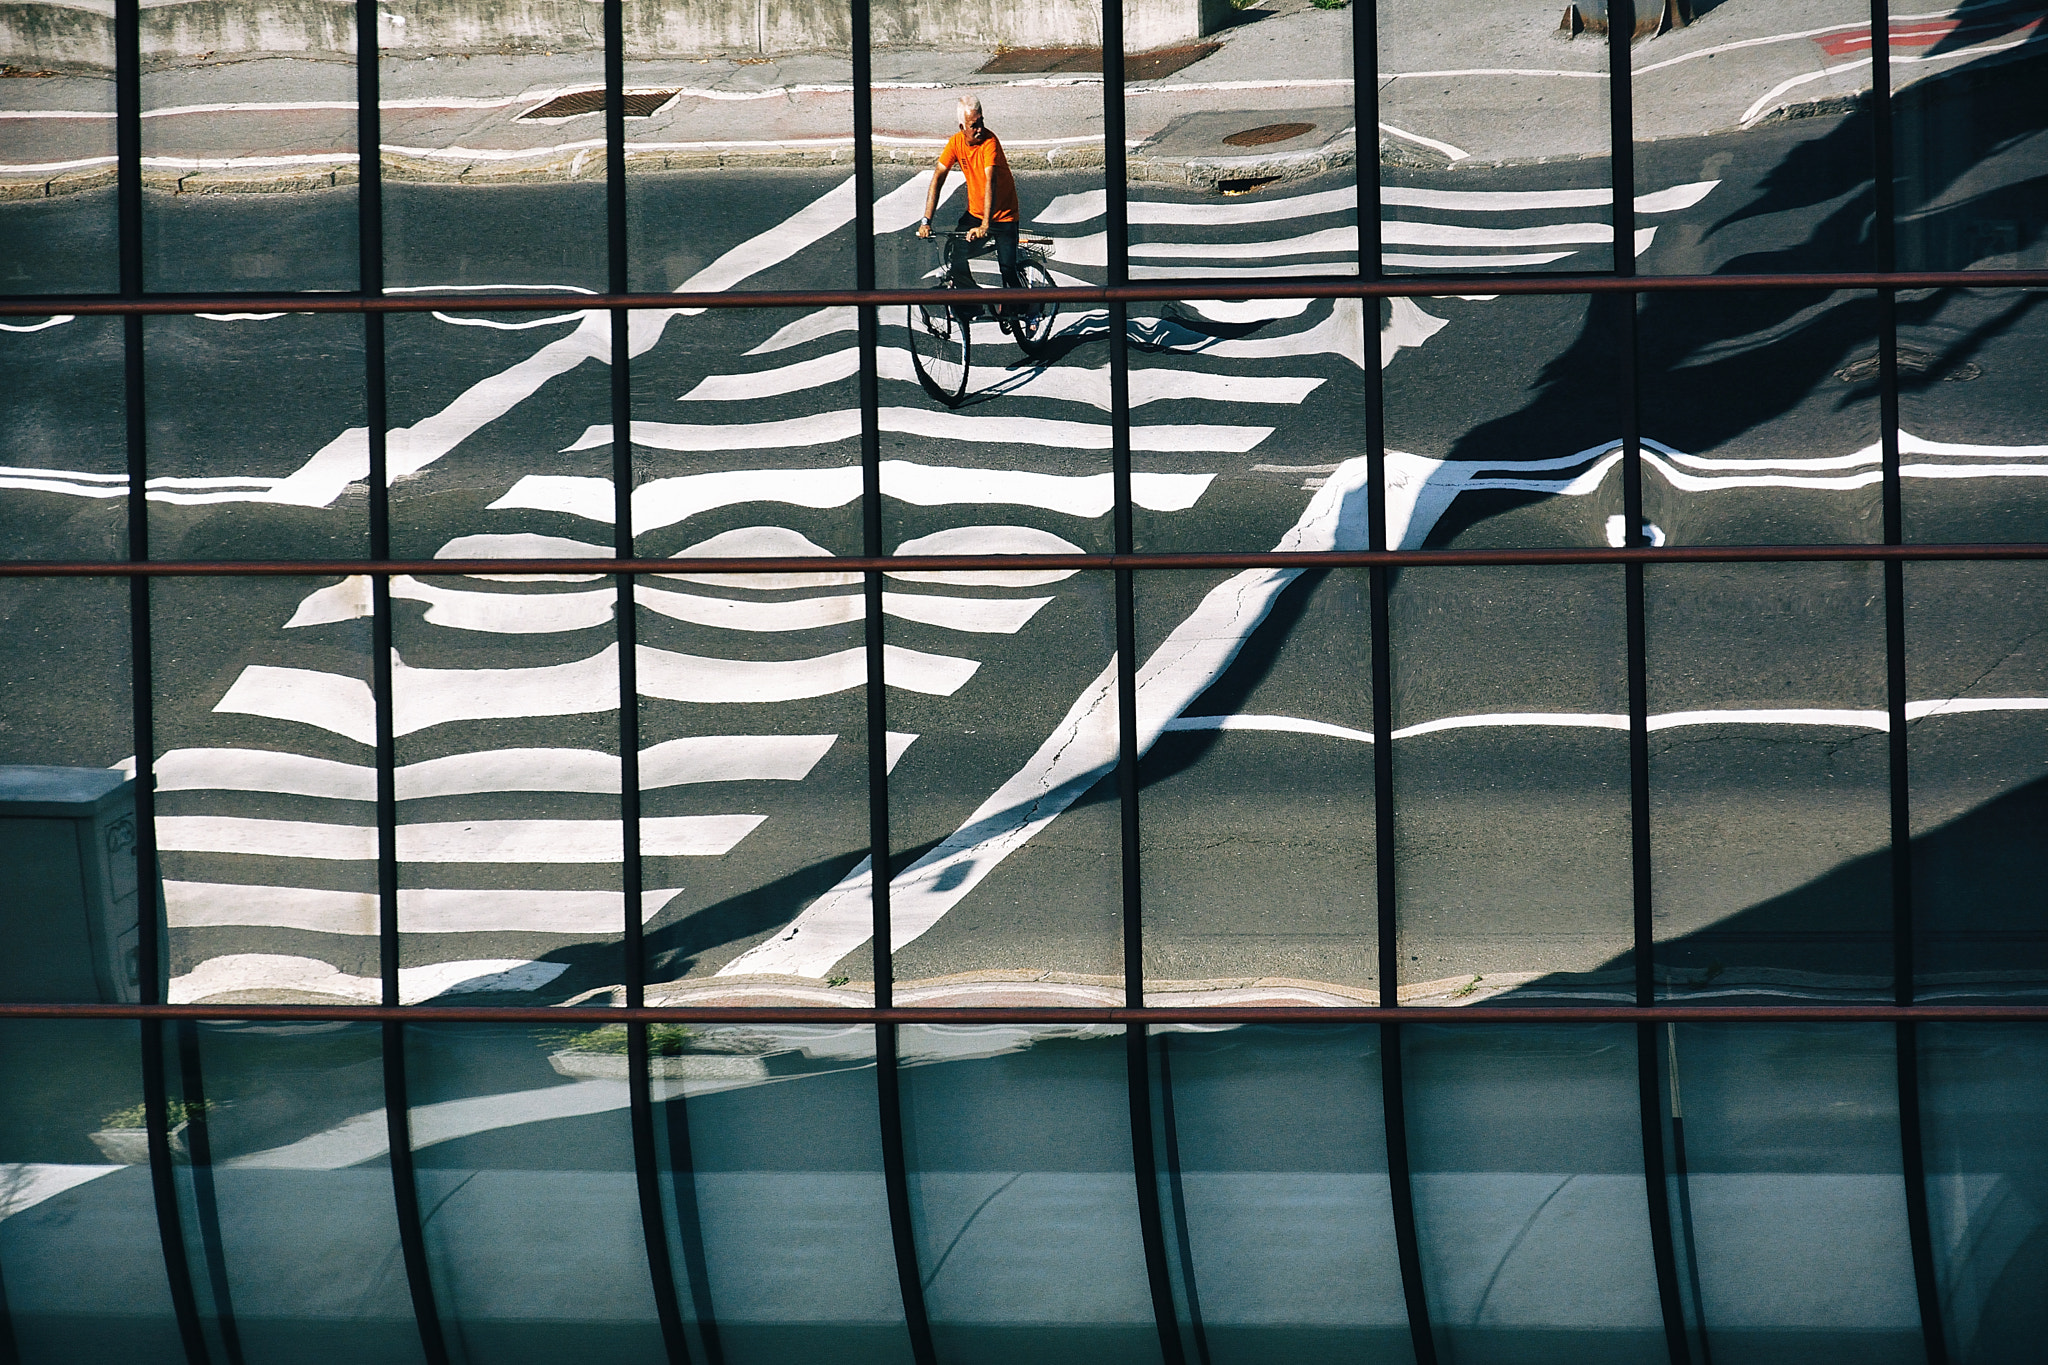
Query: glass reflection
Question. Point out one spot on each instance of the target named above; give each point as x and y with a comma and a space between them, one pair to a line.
285, 1199
1754, 139
1249, 425
1532, 456
1971, 438
517, 1147
63, 454
1492, 140
1787, 1185
508, 815
249, 160
266, 817
1000, 139
1256, 796
1977, 747
1760, 418
67, 798
1526, 1152
79, 1249
1511, 785
1982, 1112
253, 479
1967, 124
1273, 1182
494, 151
777, 1215
1249, 104
1021, 1194
1008, 800
57, 196
748, 107
1770, 825
753, 686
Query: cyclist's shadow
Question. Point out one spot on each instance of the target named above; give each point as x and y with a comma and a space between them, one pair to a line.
1175, 332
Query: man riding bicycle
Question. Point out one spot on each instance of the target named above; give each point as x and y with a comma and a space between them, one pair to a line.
991, 199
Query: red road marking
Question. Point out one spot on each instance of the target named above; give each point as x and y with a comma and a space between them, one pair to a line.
1926, 33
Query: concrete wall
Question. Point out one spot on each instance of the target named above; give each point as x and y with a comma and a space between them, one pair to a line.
73, 35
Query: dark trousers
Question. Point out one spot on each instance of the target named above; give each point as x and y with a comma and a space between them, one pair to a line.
1002, 237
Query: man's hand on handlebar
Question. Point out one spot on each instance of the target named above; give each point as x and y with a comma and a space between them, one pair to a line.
977, 232
924, 229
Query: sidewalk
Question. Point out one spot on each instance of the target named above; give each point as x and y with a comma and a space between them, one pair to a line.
1462, 87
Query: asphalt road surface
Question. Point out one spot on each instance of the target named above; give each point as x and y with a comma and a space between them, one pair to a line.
1767, 693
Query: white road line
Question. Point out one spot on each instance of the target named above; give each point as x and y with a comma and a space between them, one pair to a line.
989, 540
1863, 719
827, 428
1342, 239
1079, 752
1454, 153
1419, 262
44, 325
305, 975
1070, 383
455, 841
1091, 204
665, 502
672, 763
426, 697
207, 905
809, 327
503, 613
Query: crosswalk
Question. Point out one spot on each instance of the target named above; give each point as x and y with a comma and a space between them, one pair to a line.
507, 806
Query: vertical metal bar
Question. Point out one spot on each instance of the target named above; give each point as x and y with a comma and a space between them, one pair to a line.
1144, 1160
1401, 1193
1884, 243
205, 1204
1919, 1229
397, 1106
1663, 1253
632, 947
150, 948
689, 1225
1379, 587
1621, 27
896, 1186
1183, 1244
1145, 1166
888, 1087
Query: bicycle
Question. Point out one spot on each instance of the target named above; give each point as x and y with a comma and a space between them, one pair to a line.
941, 331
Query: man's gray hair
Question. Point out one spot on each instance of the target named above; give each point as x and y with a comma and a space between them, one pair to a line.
968, 104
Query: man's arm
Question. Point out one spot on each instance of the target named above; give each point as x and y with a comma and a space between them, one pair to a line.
988, 207
931, 199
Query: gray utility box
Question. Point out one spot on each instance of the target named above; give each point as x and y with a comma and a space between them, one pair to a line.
68, 926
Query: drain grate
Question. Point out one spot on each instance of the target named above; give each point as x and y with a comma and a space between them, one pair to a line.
1268, 134
640, 104
1248, 186
1138, 66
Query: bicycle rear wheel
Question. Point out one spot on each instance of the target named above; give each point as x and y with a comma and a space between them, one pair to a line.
940, 344
1034, 328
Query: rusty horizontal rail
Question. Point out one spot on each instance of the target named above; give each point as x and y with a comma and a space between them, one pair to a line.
1166, 291
1211, 560
1187, 1014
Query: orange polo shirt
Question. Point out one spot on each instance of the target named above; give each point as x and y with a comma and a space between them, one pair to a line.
974, 161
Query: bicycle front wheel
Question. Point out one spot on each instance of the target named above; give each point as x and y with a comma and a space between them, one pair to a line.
940, 345
1034, 328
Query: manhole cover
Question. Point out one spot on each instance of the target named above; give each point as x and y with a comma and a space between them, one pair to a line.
1270, 133
640, 104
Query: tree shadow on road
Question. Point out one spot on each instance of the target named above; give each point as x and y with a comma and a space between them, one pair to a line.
1970, 178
